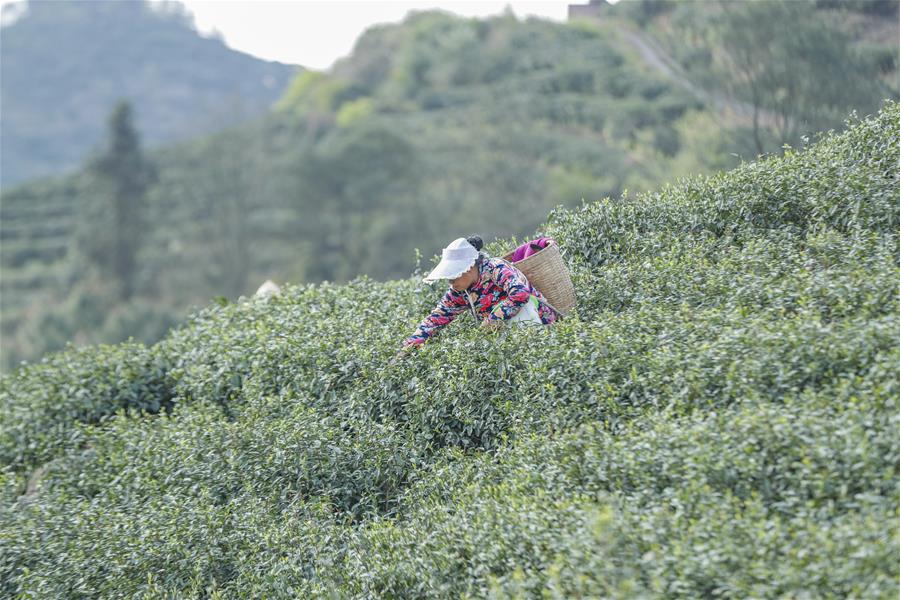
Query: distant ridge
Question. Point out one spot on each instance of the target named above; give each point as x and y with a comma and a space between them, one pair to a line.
65, 64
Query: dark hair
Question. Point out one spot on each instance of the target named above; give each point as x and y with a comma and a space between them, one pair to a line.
476, 241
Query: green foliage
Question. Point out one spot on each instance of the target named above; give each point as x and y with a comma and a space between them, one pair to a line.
885, 8
353, 175
806, 78
718, 418
314, 92
113, 225
41, 402
353, 111
784, 68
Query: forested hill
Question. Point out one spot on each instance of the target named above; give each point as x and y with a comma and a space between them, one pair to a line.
718, 419
66, 63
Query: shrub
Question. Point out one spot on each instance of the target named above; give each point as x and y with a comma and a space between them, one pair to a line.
41, 401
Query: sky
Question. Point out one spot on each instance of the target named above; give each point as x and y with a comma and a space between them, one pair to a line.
315, 33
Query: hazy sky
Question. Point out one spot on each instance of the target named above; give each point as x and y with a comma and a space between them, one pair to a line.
314, 33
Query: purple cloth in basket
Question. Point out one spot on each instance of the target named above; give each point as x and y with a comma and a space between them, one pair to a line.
529, 248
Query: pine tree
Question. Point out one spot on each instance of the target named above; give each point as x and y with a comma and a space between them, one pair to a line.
114, 230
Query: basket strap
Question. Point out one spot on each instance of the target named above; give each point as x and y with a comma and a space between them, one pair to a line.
472, 306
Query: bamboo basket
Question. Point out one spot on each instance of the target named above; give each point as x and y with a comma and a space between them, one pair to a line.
547, 272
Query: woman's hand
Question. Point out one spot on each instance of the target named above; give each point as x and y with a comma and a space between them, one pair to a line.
403, 353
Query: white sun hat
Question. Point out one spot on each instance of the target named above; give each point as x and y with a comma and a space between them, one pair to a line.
455, 260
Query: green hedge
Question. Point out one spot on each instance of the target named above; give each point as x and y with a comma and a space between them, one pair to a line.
717, 419
42, 401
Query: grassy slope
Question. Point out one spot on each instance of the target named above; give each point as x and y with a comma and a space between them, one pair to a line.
719, 418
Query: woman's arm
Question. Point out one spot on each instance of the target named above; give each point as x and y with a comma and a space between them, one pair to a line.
452, 304
514, 284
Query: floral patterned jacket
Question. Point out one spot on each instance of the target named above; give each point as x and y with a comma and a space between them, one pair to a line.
499, 294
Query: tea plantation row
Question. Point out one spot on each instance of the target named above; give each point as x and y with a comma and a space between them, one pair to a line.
718, 419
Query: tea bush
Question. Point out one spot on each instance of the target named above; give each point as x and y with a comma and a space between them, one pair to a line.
718, 418
659, 509
42, 400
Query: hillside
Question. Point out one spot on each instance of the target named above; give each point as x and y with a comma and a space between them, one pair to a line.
431, 127
744, 58
66, 63
405, 143
719, 418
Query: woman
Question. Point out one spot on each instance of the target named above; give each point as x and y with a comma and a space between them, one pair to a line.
491, 289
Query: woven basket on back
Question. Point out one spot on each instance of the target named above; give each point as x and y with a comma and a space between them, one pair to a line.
547, 272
